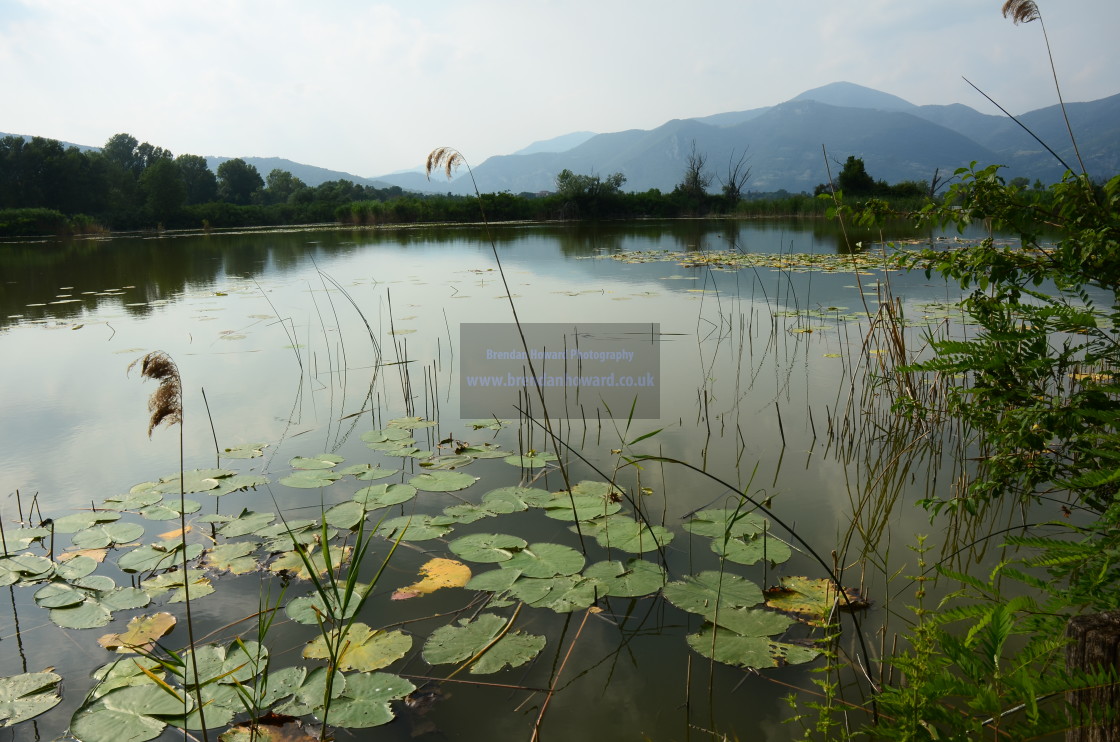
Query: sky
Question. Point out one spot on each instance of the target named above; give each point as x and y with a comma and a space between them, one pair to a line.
369, 87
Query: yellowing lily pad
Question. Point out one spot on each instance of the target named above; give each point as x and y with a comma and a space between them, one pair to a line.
437, 574
810, 600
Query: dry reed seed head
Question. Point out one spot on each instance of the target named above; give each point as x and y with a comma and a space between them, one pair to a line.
444, 157
166, 402
1021, 11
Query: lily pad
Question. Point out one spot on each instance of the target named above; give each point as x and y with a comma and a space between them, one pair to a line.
19, 539
128, 714
436, 574
198, 480
709, 592
25, 568
459, 643
367, 649
515, 499
245, 451
367, 473
410, 423
416, 527
487, 548
586, 507
293, 562
442, 481
79, 521
451, 461
310, 609
483, 451
322, 461
245, 523
384, 495
308, 697
170, 508
532, 460
109, 534
723, 523
546, 560
160, 555
811, 600
238, 483
753, 550
386, 435
495, 581
234, 556
731, 648
632, 579
25, 696
562, 594
365, 701
624, 533
173, 581
345, 515
96, 607
310, 478
141, 633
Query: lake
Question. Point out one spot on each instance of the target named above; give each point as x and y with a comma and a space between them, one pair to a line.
309, 356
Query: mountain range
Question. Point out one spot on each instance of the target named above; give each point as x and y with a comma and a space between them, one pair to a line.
786, 146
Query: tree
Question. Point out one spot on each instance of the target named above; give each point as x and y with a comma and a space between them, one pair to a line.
120, 150
738, 173
281, 184
198, 179
163, 189
588, 195
238, 181
853, 179
696, 177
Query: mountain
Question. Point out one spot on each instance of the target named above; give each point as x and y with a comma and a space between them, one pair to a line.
65, 145
562, 143
896, 139
309, 174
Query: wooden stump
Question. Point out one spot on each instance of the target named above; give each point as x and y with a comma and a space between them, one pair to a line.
1095, 646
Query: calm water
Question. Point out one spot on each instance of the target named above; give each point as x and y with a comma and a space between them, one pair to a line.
271, 327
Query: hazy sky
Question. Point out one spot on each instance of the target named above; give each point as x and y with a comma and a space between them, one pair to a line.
371, 87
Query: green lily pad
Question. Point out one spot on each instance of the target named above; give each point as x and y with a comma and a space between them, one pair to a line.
415, 527
234, 556
295, 564
238, 483
170, 508
345, 515
80, 521
311, 609
367, 473
245, 523
748, 651
753, 550
26, 568
483, 451
562, 594
709, 592
451, 461
109, 534
386, 435
198, 480
322, 461
368, 649
532, 460
76, 568
245, 451
25, 696
133, 500
161, 555
587, 507
365, 701
97, 607
467, 512
495, 581
410, 423
515, 499
442, 481
384, 495
308, 697
128, 714
310, 478
491, 424
546, 560
722, 523
199, 585
459, 643
633, 579
620, 532
20, 538
487, 547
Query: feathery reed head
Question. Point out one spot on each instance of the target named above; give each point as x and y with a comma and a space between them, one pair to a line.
166, 402
443, 157
1021, 11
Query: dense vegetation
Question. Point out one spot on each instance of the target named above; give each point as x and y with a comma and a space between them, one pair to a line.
46, 188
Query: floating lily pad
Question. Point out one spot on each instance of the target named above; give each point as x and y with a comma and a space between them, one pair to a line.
722, 523
310, 609
442, 481
368, 649
245, 523
311, 478
515, 499
79, 521
173, 581
451, 461
141, 633
25, 696
811, 600
416, 527
546, 560
410, 423
294, 563
562, 594
624, 533
487, 547
459, 643
491, 424
753, 550
386, 435
495, 581
586, 507
308, 697
237, 483
709, 592
25, 568
436, 574
198, 480
757, 652
632, 579
161, 555
234, 556
96, 606
20, 538
109, 534
134, 500
367, 473
483, 451
322, 461
384, 495
170, 508
345, 515
466, 512
129, 714
245, 451
365, 701
532, 460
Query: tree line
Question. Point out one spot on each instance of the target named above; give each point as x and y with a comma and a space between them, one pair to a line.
46, 188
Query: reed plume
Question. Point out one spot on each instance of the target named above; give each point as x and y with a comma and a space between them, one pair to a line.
1021, 11
443, 157
166, 402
